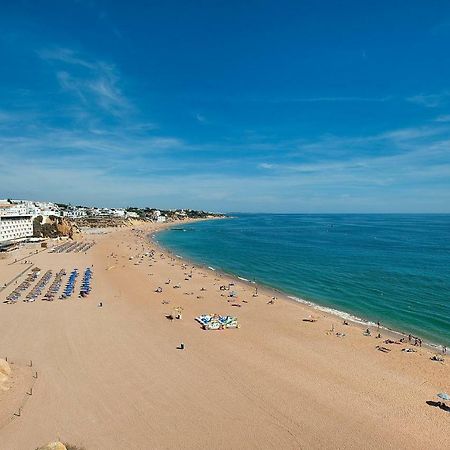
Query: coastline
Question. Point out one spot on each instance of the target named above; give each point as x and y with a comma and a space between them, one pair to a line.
112, 377
285, 296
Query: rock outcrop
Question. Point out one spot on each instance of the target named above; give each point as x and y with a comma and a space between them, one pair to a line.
5, 375
53, 226
106, 222
53, 446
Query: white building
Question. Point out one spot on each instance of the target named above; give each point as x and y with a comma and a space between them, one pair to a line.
47, 209
75, 213
157, 216
132, 215
44, 209
16, 221
181, 214
118, 212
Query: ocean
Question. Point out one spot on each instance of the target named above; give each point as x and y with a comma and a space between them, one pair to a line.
376, 267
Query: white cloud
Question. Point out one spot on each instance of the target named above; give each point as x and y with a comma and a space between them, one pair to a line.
93, 82
6, 116
330, 99
200, 118
430, 100
266, 166
409, 157
443, 118
64, 55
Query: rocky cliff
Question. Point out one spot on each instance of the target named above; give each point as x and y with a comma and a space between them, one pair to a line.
52, 227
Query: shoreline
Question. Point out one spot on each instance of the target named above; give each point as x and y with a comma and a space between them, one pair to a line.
112, 373
285, 296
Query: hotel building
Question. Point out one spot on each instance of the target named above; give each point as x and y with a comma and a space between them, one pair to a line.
16, 221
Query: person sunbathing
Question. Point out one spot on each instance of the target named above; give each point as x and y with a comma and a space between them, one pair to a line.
383, 349
310, 319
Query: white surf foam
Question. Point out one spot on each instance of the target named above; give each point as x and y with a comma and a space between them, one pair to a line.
335, 312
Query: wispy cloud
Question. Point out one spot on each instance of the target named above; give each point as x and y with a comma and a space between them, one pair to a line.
335, 99
443, 118
6, 116
430, 100
95, 136
324, 99
200, 118
410, 156
93, 82
64, 55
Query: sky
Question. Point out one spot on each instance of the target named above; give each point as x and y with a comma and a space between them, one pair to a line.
258, 106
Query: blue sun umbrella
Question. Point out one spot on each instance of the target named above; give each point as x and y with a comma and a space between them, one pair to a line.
443, 396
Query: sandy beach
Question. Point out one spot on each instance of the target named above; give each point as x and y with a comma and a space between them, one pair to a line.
111, 377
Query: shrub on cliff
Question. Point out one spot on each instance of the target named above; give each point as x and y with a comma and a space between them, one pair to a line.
37, 226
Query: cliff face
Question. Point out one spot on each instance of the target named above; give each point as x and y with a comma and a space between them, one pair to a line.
106, 222
52, 227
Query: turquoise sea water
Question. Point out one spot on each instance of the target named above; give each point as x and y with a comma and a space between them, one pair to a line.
389, 268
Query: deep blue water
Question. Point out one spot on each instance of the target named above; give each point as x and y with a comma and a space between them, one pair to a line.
389, 268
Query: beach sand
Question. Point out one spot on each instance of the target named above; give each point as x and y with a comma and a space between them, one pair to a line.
113, 378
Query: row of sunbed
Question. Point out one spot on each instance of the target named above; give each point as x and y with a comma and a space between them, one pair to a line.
17, 292
70, 286
55, 286
75, 247
39, 287
86, 283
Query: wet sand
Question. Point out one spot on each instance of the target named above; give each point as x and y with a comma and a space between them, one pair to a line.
113, 378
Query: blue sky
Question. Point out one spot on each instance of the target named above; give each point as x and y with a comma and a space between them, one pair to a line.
286, 106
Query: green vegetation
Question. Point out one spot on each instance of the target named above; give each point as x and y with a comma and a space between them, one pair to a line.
37, 226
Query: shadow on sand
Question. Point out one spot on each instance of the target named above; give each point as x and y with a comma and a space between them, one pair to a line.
439, 405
